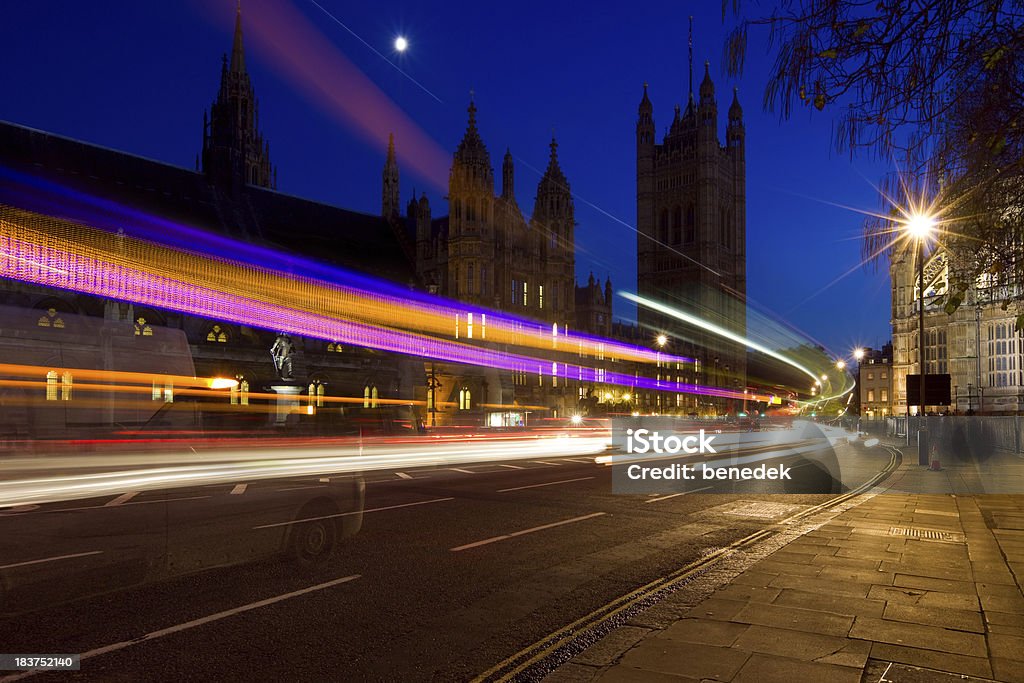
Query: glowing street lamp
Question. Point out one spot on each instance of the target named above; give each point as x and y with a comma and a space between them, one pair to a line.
661, 339
858, 354
920, 226
401, 44
840, 364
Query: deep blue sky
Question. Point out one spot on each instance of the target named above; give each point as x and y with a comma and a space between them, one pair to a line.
136, 76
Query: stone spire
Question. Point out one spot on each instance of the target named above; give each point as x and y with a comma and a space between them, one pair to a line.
390, 200
237, 49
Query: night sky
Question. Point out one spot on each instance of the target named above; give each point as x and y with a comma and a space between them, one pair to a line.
136, 76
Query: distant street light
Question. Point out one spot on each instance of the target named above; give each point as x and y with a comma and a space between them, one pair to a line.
858, 354
840, 364
662, 339
401, 44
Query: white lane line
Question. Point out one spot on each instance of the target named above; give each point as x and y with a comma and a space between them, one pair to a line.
50, 559
353, 512
122, 499
682, 493
525, 531
403, 475
300, 488
457, 469
239, 489
134, 502
550, 483
510, 467
153, 635
545, 462
585, 461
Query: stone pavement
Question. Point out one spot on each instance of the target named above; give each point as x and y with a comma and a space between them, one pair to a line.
905, 586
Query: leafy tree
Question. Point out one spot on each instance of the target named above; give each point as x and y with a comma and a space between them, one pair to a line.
935, 85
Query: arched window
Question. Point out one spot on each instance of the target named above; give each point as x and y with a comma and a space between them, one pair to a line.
465, 399
51, 385
316, 393
142, 329
470, 279
373, 397
691, 225
334, 347
370, 396
663, 227
217, 335
66, 383
240, 392
677, 225
51, 319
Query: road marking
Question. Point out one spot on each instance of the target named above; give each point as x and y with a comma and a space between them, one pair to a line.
545, 462
683, 493
353, 512
550, 483
50, 559
300, 488
134, 502
239, 489
585, 461
456, 469
511, 467
122, 499
486, 541
325, 480
153, 635
403, 475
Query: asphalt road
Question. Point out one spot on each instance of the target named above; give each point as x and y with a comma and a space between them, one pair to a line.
452, 570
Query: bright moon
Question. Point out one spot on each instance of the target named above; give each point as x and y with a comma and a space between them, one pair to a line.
401, 43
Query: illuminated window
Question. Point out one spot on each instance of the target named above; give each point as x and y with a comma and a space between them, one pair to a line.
66, 382
316, 394
526, 292
554, 374
469, 325
871, 395
51, 385
51, 319
142, 329
370, 396
483, 326
540, 296
465, 399
158, 391
240, 392
169, 392
217, 335
334, 347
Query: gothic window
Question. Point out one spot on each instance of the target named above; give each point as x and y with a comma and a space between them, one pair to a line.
465, 399
540, 296
142, 329
526, 291
691, 225
217, 335
239, 392
1002, 355
316, 393
483, 280
51, 385
677, 225
469, 279
515, 291
334, 347
936, 351
483, 209
51, 319
663, 227
457, 210
66, 383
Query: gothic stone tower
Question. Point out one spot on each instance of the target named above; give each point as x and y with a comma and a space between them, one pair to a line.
554, 223
234, 151
691, 222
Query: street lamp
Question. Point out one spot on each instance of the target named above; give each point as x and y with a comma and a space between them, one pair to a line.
840, 364
920, 227
858, 354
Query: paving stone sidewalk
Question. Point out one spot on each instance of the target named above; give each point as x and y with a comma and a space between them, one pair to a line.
903, 587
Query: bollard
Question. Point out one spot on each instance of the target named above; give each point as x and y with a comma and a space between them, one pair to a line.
922, 447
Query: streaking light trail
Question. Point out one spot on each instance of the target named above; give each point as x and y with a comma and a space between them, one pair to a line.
727, 334
70, 256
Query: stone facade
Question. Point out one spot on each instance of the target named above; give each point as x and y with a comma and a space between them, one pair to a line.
691, 243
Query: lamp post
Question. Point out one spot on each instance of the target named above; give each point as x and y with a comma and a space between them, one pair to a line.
920, 227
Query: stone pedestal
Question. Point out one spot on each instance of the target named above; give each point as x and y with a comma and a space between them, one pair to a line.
288, 400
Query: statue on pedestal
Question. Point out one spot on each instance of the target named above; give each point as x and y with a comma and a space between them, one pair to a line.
282, 352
